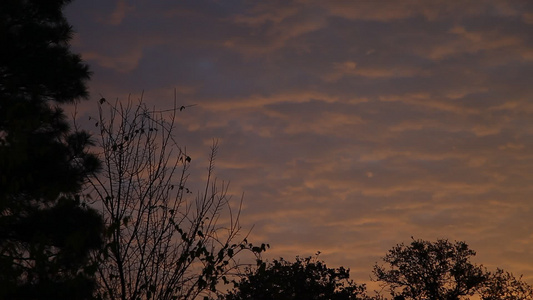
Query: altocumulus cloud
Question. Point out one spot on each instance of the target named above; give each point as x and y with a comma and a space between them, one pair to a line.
349, 125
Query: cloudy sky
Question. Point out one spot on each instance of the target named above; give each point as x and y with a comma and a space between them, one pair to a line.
349, 125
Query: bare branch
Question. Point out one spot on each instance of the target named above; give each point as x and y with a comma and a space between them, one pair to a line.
162, 241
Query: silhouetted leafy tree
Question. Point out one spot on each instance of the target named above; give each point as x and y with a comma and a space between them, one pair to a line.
163, 241
503, 285
45, 234
306, 278
443, 270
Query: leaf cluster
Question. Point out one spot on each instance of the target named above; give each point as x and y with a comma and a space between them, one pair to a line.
305, 278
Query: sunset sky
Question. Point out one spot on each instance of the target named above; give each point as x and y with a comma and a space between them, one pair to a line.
349, 126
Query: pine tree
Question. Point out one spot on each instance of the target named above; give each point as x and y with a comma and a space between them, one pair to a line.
46, 234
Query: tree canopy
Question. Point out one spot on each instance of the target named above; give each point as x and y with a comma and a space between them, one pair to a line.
422, 270
46, 235
444, 270
305, 278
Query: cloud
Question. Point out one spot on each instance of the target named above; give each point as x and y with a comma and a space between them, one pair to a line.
119, 13
123, 63
349, 68
471, 42
350, 126
260, 101
388, 11
271, 27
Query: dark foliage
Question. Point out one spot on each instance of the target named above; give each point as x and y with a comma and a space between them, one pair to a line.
502, 285
45, 232
306, 278
35, 58
442, 270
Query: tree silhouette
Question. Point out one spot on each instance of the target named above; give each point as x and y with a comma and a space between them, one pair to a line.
306, 278
45, 234
163, 241
443, 270
503, 285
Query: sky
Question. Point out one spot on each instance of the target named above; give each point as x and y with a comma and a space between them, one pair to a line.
350, 126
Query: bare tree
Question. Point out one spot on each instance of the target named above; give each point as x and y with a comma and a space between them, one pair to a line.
163, 241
